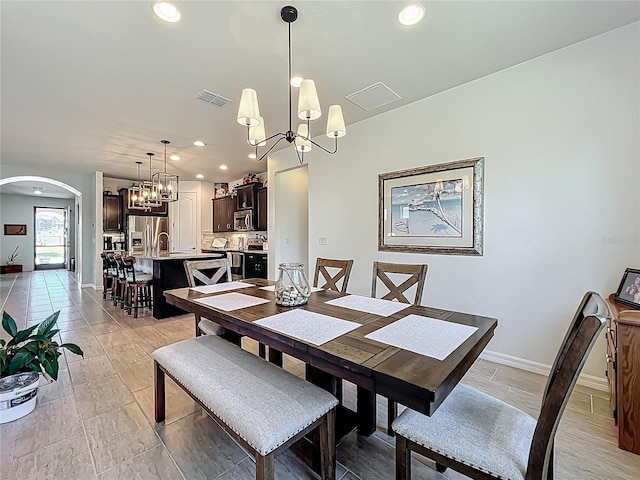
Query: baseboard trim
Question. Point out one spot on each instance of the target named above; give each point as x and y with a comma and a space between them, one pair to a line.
591, 381
89, 285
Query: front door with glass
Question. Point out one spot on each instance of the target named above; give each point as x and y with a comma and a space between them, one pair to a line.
50, 238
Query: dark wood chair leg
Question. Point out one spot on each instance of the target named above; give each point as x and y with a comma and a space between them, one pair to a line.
198, 332
136, 298
159, 397
265, 467
392, 414
403, 459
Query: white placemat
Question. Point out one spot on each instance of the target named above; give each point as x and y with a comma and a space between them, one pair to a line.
376, 306
308, 326
272, 288
231, 301
221, 287
424, 335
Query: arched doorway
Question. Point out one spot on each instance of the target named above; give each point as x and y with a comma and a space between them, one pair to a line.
77, 195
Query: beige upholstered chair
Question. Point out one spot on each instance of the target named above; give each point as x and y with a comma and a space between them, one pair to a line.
207, 272
403, 277
483, 437
326, 272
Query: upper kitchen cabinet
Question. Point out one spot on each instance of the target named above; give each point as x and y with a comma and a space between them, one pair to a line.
261, 215
160, 211
112, 213
246, 198
223, 210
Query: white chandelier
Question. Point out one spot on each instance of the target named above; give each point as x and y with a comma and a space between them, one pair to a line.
165, 186
308, 109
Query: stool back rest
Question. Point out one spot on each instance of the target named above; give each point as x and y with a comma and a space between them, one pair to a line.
331, 280
417, 274
587, 323
112, 266
207, 272
117, 258
105, 263
129, 267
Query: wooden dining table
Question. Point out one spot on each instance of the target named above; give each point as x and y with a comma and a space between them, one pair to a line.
417, 381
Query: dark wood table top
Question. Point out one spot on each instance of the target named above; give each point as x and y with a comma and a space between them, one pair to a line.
414, 380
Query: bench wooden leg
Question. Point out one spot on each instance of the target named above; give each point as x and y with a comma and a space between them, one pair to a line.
328, 446
159, 397
403, 459
265, 467
198, 332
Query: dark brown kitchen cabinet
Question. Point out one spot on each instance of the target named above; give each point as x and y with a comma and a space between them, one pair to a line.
112, 213
160, 211
223, 210
246, 198
261, 201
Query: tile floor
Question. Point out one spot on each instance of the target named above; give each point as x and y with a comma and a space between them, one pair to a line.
96, 421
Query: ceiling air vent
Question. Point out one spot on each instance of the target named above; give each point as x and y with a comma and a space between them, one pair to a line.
373, 96
213, 98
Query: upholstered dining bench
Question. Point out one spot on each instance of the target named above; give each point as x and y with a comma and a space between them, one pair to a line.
263, 407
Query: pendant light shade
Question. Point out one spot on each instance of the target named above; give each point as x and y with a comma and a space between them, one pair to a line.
308, 103
335, 122
248, 111
165, 184
303, 145
257, 134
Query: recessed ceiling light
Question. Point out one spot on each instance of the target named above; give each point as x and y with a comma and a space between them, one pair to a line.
199, 175
167, 12
174, 157
37, 192
223, 167
199, 143
252, 156
411, 14
296, 81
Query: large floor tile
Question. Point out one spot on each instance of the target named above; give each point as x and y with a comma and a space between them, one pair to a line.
200, 448
177, 403
119, 435
91, 369
100, 396
154, 464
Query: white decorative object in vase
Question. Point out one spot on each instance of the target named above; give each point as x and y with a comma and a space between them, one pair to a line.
292, 288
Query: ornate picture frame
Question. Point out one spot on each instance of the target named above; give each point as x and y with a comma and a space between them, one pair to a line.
433, 209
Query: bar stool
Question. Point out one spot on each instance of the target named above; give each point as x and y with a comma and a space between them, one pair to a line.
119, 280
108, 273
138, 287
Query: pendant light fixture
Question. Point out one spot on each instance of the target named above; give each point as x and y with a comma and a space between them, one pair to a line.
149, 193
165, 185
135, 193
308, 109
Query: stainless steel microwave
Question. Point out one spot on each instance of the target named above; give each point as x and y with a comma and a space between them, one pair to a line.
243, 220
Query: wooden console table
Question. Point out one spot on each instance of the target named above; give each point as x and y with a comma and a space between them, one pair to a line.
623, 372
10, 269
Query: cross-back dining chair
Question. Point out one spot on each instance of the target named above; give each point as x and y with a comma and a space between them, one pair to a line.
483, 437
403, 277
207, 272
326, 272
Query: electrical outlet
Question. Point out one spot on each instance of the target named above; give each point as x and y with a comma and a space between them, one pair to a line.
323, 241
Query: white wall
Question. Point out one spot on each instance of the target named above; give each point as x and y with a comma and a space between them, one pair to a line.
86, 185
562, 205
20, 209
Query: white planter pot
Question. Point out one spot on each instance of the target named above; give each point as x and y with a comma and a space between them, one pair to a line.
18, 395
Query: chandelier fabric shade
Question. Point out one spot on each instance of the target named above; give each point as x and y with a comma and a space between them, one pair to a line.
165, 185
308, 109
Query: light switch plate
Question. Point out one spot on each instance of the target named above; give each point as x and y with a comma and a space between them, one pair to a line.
323, 241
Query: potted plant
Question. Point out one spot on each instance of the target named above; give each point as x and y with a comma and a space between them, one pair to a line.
28, 354
14, 257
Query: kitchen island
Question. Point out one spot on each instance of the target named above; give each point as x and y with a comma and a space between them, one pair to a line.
168, 273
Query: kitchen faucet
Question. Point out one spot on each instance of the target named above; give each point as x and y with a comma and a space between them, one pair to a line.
168, 243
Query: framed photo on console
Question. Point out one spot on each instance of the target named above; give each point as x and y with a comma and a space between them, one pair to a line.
629, 290
13, 229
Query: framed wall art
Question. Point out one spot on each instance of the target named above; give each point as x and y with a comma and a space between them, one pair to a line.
629, 290
433, 209
15, 229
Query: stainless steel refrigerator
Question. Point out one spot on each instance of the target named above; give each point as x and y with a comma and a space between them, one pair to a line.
142, 234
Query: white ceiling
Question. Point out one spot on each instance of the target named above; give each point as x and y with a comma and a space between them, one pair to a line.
95, 85
29, 187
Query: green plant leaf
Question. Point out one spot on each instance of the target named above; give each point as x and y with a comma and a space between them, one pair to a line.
21, 336
73, 348
48, 323
32, 347
51, 367
19, 361
2, 342
9, 324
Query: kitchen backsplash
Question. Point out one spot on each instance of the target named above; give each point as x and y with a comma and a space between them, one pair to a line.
232, 243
